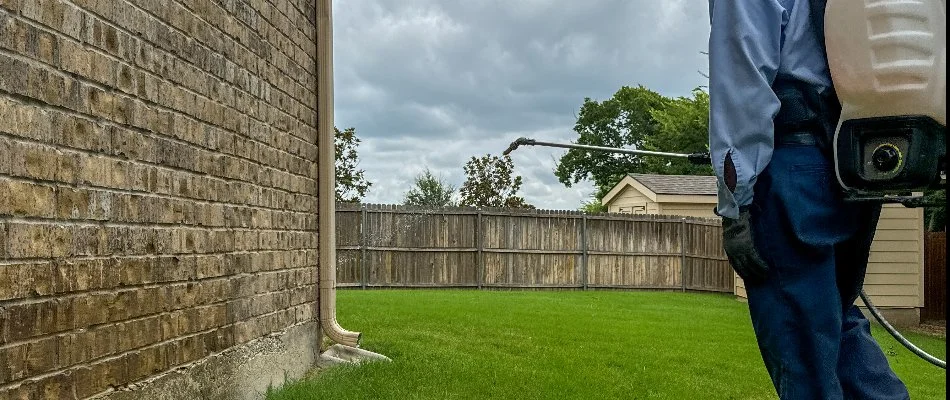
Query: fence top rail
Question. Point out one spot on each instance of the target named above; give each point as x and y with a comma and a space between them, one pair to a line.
518, 212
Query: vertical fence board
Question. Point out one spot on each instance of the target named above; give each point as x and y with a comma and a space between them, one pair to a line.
935, 276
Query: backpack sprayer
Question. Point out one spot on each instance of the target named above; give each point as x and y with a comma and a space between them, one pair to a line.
891, 81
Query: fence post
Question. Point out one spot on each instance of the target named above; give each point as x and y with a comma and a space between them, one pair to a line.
364, 271
479, 262
683, 253
584, 253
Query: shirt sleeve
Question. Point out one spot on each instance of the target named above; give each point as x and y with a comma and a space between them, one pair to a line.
745, 43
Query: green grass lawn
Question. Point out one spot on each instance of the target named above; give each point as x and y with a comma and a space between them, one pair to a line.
565, 345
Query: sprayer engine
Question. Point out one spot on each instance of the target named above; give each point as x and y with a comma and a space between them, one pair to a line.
888, 65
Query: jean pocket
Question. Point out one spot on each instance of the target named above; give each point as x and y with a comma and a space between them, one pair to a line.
810, 205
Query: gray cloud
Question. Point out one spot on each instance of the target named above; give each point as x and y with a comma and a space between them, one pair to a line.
433, 83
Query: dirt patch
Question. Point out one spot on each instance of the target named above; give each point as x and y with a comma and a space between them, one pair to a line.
936, 328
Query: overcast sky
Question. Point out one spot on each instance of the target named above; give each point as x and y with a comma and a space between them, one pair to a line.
431, 83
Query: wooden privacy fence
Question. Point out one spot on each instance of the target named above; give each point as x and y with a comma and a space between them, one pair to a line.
935, 276
400, 246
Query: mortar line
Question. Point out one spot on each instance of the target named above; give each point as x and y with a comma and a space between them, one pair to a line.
119, 257
42, 260
90, 223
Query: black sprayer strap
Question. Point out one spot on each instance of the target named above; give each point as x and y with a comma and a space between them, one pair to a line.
817, 13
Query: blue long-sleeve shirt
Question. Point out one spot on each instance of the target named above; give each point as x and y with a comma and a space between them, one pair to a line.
751, 42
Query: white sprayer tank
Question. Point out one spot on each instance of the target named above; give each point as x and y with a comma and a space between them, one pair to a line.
888, 62
888, 57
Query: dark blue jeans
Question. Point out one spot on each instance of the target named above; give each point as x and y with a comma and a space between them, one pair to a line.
816, 344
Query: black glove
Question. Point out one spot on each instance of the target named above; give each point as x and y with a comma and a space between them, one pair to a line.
740, 248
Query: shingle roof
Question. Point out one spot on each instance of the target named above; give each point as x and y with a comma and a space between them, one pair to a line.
678, 184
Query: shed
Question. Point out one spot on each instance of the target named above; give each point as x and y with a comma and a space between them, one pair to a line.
685, 195
895, 278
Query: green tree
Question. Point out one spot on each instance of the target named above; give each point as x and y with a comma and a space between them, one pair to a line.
936, 217
490, 182
351, 182
638, 118
623, 120
593, 206
429, 190
684, 128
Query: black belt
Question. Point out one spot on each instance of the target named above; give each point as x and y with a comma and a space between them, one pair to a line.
796, 138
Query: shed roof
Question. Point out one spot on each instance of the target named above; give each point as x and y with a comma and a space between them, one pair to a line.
678, 184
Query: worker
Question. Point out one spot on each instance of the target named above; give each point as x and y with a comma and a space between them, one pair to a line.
801, 251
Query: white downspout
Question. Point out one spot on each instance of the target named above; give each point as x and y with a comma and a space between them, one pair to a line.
327, 179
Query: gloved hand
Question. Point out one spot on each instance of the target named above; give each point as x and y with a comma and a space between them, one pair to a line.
740, 248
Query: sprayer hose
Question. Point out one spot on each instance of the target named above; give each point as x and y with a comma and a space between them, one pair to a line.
900, 338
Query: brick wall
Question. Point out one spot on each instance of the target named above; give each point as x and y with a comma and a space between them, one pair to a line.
158, 185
